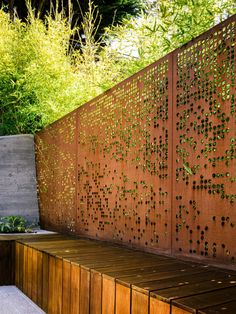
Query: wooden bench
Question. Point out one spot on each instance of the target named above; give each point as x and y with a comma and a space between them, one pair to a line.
7, 255
64, 274
7, 261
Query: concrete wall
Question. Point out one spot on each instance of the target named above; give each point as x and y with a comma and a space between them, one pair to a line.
18, 192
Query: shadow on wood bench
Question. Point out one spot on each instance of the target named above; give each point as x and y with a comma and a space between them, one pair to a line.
63, 274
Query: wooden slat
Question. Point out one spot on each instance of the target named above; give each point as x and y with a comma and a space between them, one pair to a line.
52, 302
17, 264
208, 284
161, 273
58, 284
203, 300
45, 282
29, 272
211, 281
159, 307
39, 279
139, 302
96, 293
123, 298
84, 291
108, 295
6, 262
225, 308
176, 279
143, 265
12, 262
24, 274
75, 289
34, 276
66, 287
177, 310
21, 265
54, 285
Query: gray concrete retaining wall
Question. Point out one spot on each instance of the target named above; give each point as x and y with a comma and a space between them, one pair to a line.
18, 193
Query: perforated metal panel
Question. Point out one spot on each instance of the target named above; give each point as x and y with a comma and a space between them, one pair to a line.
123, 161
204, 211
56, 174
151, 162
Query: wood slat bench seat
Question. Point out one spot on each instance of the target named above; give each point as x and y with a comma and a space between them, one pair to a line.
7, 256
64, 274
6, 262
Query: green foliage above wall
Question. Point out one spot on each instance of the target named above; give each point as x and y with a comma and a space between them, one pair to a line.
36, 77
41, 79
165, 26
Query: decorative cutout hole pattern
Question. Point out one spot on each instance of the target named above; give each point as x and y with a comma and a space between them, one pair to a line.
205, 146
133, 168
123, 162
56, 174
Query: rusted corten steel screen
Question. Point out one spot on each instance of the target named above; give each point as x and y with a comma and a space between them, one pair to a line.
124, 164
151, 162
56, 174
204, 126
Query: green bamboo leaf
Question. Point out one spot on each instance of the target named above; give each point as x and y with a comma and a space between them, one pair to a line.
148, 28
163, 28
211, 13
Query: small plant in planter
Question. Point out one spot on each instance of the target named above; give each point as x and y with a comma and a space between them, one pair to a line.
11, 224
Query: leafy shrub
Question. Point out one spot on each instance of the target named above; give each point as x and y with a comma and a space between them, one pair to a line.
10, 224
164, 26
36, 77
42, 79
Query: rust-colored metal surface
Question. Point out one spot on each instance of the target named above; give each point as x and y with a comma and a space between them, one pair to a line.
56, 174
151, 162
124, 182
204, 172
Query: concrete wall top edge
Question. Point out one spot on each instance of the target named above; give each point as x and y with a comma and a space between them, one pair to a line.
16, 136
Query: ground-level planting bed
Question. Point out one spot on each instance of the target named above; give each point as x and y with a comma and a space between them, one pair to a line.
65, 274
